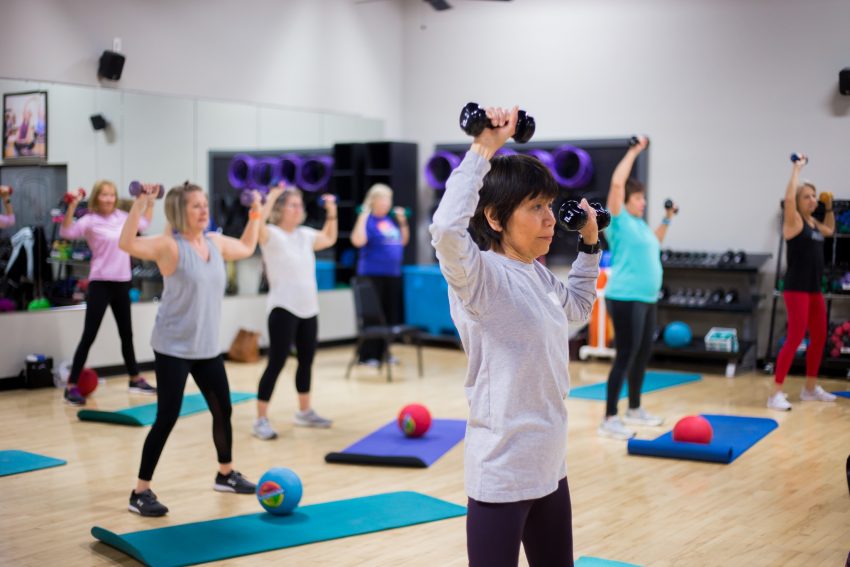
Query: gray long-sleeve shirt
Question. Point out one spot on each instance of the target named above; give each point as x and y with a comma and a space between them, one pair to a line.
512, 318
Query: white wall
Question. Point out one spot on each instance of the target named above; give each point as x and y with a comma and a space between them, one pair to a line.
325, 55
726, 89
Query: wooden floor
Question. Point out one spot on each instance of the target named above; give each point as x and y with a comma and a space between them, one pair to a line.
785, 502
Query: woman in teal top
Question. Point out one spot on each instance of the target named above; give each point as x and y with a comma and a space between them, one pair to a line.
631, 293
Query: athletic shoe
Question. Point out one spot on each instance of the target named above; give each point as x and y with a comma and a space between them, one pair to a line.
816, 395
74, 397
141, 386
778, 402
372, 362
641, 417
263, 429
234, 482
310, 418
613, 427
393, 360
146, 504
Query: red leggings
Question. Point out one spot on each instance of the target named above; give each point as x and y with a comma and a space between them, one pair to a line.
804, 310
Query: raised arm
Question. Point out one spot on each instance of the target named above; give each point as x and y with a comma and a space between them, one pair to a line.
160, 248
271, 199
459, 257
70, 228
358, 233
661, 231
792, 222
617, 192
827, 227
327, 237
243, 247
401, 219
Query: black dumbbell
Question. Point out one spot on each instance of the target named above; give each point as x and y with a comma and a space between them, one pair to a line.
473, 120
666, 255
795, 157
716, 296
634, 140
668, 204
731, 297
727, 257
740, 257
572, 217
663, 294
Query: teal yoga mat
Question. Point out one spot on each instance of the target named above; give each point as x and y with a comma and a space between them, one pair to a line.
146, 414
587, 561
190, 544
652, 382
14, 462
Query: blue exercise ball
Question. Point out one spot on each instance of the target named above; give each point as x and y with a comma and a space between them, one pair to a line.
677, 334
279, 491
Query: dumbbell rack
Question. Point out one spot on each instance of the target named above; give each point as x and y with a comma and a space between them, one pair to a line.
836, 260
704, 269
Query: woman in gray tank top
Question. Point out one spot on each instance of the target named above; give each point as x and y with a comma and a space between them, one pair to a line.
185, 335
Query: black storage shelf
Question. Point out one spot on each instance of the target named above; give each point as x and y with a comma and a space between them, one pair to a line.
747, 307
753, 265
697, 350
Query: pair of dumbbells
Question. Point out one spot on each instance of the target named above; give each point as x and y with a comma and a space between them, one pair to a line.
795, 157
573, 218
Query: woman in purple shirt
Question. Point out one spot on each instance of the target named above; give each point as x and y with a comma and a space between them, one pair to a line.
109, 281
381, 240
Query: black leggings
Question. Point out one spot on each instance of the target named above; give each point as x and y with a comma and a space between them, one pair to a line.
634, 327
171, 374
544, 526
103, 294
286, 329
389, 290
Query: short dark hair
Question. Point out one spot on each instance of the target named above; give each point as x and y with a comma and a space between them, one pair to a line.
510, 181
633, 186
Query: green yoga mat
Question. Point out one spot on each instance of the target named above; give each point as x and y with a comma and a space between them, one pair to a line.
14, 462
146, 414
652, 381
190, 544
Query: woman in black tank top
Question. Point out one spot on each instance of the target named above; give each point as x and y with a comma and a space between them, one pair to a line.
804, 237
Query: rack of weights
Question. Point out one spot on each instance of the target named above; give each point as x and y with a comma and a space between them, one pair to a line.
717, 295
835, 286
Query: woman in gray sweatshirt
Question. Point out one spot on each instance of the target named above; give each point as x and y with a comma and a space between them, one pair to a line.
512, 315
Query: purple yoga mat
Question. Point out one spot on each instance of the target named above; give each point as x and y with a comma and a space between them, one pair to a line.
389, 446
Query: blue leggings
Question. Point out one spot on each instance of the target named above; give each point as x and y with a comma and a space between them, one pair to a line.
544, 526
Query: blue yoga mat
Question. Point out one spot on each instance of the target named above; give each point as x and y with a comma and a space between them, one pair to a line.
652, 381
389, 446
842, 394
146, 414
733, 435
14, 462
200, 542
586, 561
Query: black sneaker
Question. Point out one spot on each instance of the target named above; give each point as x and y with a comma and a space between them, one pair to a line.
234, 482
74, 397
141, 386
146, 504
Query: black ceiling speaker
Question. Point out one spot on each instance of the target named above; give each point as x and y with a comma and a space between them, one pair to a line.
98, 122
844, 81
111, 65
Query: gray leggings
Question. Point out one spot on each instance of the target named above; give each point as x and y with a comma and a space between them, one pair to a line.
544, 526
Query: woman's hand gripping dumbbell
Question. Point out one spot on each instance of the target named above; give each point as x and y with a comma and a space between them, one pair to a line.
473, 120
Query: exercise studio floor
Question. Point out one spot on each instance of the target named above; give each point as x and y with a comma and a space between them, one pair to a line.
784, 502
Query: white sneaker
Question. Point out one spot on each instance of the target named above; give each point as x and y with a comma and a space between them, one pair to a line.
778, 402
816, 395
263, 429
641, 417
310, 418
613, 427
372, 363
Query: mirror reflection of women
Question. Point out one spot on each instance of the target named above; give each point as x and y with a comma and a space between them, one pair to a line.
381, 233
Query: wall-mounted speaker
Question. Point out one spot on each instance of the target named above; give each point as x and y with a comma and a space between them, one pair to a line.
844, 81
98, 122
111, 65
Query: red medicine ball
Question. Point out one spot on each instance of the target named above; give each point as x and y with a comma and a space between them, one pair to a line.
414, 420
87, 382
693, 429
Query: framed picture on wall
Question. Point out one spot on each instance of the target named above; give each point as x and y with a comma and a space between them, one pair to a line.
25, 126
